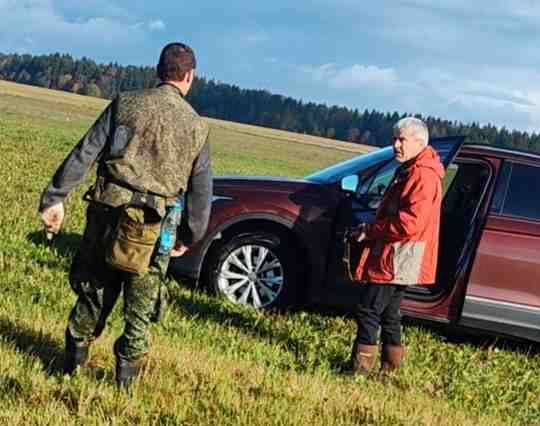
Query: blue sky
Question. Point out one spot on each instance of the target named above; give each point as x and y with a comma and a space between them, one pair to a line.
459, 60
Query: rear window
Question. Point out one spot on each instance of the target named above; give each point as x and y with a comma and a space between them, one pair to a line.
521, 195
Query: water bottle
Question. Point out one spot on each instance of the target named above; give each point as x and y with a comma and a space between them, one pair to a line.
173, 216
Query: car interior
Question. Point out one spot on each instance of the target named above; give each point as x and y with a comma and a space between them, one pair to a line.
465, 185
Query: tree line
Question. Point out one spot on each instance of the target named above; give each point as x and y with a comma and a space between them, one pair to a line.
229, 102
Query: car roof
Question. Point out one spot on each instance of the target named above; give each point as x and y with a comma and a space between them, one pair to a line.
507, 153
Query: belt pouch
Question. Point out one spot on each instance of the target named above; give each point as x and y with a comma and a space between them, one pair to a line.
134, 239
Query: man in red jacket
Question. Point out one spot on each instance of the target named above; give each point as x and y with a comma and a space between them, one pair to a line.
400, 247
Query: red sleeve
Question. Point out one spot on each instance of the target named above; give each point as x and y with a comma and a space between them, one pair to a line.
416, 205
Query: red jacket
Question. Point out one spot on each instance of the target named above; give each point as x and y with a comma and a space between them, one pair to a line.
402, 245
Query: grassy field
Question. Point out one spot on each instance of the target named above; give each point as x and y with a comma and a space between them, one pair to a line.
212, 363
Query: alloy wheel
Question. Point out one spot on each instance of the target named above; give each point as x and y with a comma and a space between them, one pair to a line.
251, 275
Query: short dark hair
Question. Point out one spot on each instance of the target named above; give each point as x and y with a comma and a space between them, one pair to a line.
175, 61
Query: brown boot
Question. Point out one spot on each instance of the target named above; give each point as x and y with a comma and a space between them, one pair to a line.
391, 358
363, 358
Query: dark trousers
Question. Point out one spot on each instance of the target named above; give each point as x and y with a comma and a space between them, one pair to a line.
378, 307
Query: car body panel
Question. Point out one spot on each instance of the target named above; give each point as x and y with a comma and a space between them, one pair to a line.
503, 292
509, 252
307, 209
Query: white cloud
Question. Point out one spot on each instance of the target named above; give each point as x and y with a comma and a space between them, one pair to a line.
527, 9
157, 25
496, 96
39, 26
484, 85
356, 76
456, 59
256, 37
319, 73
499, 96
361, 76
508, 9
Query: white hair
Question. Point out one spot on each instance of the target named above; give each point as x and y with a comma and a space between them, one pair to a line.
417, 126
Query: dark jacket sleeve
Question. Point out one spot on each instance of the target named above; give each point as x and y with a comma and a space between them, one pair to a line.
198, 200
78, 162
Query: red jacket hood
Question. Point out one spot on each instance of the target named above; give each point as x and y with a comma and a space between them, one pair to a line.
429, 158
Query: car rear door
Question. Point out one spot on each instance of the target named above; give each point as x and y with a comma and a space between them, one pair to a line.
503, 293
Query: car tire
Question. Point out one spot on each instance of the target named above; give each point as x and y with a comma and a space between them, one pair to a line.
254, 269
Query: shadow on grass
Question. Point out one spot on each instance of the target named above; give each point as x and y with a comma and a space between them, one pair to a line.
35, 344
65, 245
218, 314
457, 336
447, 333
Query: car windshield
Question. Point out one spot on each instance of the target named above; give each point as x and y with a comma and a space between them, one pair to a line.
338, 171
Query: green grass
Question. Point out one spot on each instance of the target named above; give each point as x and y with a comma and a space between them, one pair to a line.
211, 362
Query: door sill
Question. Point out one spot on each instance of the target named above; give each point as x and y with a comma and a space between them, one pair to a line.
424, 317
425, 293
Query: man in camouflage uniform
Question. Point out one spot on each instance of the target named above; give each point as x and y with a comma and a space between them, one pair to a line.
150, 147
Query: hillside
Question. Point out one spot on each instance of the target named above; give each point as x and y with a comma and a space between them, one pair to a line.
40, 103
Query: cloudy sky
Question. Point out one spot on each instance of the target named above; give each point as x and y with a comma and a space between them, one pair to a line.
456, 59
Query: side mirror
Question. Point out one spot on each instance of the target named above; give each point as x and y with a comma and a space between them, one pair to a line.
350, 183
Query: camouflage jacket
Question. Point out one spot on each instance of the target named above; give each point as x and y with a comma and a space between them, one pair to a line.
150, 141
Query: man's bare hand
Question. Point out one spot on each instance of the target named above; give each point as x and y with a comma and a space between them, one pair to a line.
361, 236
52, 218
178, 250
358, 234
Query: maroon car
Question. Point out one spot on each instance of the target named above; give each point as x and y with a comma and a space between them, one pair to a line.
277, 242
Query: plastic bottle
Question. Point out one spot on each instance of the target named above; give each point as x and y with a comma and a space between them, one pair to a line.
173, 216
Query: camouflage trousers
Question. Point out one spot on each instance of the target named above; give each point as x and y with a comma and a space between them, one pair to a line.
98, 287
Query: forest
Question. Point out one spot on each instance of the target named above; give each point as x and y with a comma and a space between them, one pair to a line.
258, 107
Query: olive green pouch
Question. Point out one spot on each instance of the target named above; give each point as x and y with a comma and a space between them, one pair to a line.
134, 239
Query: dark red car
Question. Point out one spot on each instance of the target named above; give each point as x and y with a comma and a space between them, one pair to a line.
278, 242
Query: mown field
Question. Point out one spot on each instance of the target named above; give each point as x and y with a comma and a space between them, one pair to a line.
212, 363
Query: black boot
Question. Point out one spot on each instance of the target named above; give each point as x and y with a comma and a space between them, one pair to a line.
127, 373
75, 355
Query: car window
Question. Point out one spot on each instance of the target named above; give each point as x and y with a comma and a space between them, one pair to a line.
377, 183
522, 193
501, 189
449, 177
350, 167
447, 149
464, 185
